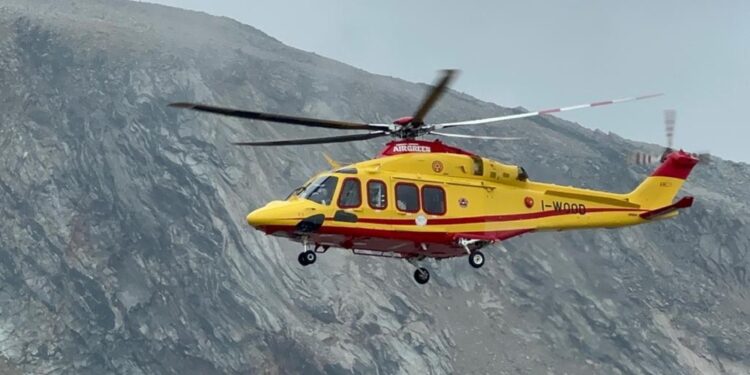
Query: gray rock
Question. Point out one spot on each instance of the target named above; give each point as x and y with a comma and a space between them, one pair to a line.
124, 248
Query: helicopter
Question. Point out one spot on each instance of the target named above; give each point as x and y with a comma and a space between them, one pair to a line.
421, 199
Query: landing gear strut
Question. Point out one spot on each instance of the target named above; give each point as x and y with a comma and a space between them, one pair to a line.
307, 256
476, 258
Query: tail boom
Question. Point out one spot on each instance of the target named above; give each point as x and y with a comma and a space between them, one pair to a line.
651, 200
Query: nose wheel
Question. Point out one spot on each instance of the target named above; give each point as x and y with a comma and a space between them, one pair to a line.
307, 258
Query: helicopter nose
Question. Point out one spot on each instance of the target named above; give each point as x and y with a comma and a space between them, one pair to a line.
273, 215
258, 218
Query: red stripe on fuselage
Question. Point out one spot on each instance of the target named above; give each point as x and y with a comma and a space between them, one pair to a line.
407, 242
413, 236
492, 218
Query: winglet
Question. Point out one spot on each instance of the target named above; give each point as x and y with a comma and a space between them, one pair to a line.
685, 202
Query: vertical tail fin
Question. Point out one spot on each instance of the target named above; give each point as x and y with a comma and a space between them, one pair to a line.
660, 188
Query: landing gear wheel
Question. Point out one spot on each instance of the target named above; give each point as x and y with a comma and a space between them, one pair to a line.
306, 258
421, 275
476, 259
310, 257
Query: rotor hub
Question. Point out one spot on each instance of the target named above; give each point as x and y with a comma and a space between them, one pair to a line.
403, 121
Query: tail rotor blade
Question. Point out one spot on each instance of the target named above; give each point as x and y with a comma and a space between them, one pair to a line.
670, 116
640, 158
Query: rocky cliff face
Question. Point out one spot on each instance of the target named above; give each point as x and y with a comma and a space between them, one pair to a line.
124, 249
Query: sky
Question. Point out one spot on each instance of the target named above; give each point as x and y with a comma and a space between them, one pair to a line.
540, 54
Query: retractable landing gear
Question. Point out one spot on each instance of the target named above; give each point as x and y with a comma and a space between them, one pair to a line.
476, 258
307, 256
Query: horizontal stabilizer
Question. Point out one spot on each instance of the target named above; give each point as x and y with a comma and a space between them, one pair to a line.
682, 203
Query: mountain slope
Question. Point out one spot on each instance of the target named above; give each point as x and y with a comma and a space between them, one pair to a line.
124, 248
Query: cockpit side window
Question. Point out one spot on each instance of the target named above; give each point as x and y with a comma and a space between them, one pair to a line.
296, 192
351, 193
321, 190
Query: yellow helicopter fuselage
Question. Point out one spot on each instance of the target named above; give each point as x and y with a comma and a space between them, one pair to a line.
445, 204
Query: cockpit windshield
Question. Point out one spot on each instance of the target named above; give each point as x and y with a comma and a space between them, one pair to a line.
321, 190
295, 192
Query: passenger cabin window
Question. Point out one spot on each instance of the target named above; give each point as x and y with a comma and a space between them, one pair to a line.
433, 200
321, 190
351, 194
377, 197
407, 197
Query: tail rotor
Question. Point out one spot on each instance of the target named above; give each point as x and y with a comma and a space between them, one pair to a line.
670, 115
643, 158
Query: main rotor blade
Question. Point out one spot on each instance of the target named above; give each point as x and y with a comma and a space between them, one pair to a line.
437, 90
538, 113
271, 117
314, 141
485, 137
